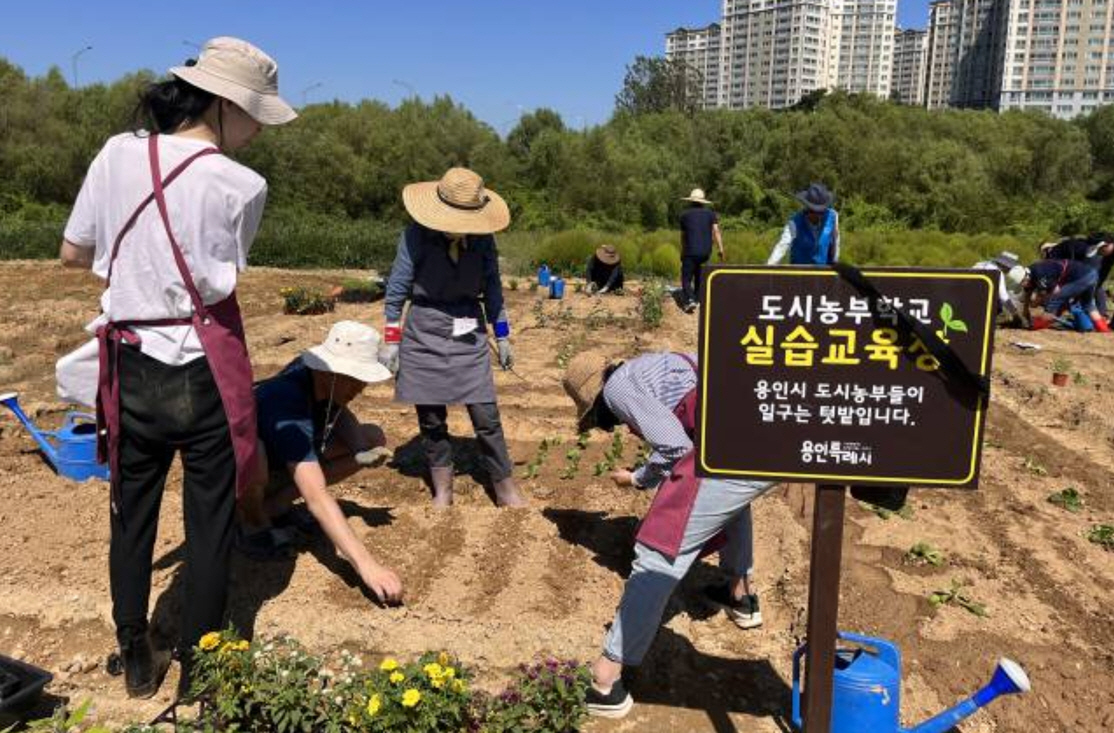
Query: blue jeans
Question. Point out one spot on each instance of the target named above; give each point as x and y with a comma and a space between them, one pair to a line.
720, 505
1082, 289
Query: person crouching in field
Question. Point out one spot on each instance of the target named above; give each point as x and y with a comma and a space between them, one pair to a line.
447, 267
1058, 284
310, 439
654, 395
604, 272
166, 219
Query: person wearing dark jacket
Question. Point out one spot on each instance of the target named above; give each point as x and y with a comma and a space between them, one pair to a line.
1059, 283
604, 273
1097, 250
699, 229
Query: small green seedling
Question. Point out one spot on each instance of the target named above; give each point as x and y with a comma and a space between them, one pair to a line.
572, 464
649, 304
1060, 365
1069, 499
951, 323
1032, 466
1078, 378
1102, 535
923, 553
513, 283
956, 595
536, 463
905, 512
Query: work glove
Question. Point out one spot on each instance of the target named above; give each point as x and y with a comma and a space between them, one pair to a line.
506, 354
388, 350
372, 457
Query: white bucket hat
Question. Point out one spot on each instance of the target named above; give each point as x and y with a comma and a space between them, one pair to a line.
351, 349
241, 73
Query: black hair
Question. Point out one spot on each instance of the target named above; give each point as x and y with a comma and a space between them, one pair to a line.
602, 416
165, 105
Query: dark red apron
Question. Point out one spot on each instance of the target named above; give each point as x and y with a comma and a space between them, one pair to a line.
663, 528
219, 327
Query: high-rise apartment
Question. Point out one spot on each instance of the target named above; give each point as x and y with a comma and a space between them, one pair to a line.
910, 65
866, 43
1059, 56
700, 50
943, 44
967, 40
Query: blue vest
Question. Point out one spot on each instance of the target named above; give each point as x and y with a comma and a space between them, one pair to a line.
805, 249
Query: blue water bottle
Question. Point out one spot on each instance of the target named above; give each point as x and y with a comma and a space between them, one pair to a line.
556, 288
543, 275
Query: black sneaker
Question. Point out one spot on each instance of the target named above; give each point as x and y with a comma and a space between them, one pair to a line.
745, 612
615, 704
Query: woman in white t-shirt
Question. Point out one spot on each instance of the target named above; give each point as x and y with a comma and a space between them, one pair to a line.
167, 222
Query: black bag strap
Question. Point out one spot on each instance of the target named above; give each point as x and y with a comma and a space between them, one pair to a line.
950, 363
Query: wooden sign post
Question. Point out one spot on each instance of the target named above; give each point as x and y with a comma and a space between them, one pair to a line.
867, 379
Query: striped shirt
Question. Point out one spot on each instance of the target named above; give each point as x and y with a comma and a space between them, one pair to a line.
642, 393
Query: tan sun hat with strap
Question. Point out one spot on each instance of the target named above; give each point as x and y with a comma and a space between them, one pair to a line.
584, 381
241, 73
458, 203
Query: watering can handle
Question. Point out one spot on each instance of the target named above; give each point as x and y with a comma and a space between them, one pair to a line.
74, 417
797, 686
887, 652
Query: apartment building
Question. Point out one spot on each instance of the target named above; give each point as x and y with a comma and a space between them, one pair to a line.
866, 45
966, 43
943, 45
1058, 56
910, 66
700, 50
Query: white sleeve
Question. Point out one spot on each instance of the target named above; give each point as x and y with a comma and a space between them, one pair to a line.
247, 225
782, 247
81, 228
835, 237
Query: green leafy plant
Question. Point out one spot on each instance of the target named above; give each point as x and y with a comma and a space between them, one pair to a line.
513, 284
301, 301
63, 720
353, 290
1078, 378
1102, 535
649, 303
923, 553
947, 316
1069, 499
956, 595
540, 457
548, 696
611, 456
1060, 365
572, 463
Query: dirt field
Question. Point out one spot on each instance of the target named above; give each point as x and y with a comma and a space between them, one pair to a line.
499, 587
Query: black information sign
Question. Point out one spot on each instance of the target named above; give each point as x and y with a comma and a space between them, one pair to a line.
812, 376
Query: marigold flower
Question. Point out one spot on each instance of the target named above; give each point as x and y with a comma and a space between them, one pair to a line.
374, 704
458, 685
210, 641
437, 682
241, 646
444, 659
410, 698
388, 665
433, 669
397, 677
449, 673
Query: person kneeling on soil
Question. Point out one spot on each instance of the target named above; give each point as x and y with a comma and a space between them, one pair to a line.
1059, 284
655, 396
604, 273
310, 439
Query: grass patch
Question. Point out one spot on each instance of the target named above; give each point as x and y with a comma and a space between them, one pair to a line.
1102, 535
1068, 499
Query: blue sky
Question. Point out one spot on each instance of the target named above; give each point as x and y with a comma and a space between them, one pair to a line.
498, 57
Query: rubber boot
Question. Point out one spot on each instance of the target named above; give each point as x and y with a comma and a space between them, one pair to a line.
1101, 325
506, 493
1042, 322
442, 480
143, 666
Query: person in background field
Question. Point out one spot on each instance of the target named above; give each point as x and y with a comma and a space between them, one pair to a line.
1059, 284
310, 439
1097, 250
447, 267
1011, 273
811, 237
175, 372
604, 273
699, 229
654, 395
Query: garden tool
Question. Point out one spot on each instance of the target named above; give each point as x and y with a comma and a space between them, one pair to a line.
72, 449
866, 694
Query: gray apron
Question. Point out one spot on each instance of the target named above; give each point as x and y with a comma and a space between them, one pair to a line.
436, 368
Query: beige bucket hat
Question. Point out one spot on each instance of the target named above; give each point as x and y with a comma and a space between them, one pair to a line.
239, 72
697, 196
607, 254
351, 349
458, 203
584, 381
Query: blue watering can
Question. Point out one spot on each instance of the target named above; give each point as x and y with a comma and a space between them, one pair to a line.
543, 276
866, 695
556, 288
72, 449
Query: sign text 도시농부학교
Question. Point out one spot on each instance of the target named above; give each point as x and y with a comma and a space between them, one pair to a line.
810, 375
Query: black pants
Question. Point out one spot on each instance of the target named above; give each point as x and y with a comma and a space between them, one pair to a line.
690, 276
164, 409
489, 431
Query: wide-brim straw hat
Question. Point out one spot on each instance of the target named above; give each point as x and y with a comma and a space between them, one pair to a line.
458, 204
351, 349
697, 197
607, 254
816, 197
241, 73
583, 382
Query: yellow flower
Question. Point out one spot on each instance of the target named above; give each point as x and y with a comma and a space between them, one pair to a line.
374, 704
397, 677
449, 673
443, 658
210, 641
433, 669
241, 646
388, 665
226, 647
458, 685
410, 698
438, 682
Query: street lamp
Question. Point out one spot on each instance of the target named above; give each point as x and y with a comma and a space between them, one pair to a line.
309, 89
405, 85
73, 62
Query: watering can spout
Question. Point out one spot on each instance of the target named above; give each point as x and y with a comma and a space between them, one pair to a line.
1008, 678
11, 401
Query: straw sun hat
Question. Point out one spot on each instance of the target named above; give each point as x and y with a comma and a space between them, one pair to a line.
584, 381
697, 196
241, 73
351, 349
607, 254
458, 204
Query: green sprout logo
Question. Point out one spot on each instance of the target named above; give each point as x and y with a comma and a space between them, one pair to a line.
951, 323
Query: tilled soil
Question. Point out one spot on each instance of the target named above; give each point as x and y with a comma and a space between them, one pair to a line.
499, 587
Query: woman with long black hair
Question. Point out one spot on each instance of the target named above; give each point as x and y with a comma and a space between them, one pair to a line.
167, 221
